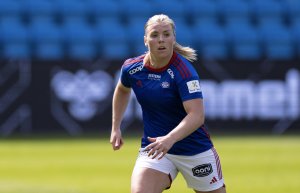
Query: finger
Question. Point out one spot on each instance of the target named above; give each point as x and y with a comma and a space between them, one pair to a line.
150, 146
161, 155
114, 147
117, 144
111, 141
155, 154
151, 139
158, 155
151, 152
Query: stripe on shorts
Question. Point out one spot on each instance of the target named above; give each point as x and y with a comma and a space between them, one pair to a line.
219, 169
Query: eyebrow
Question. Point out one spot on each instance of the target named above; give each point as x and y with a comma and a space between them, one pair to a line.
157, 31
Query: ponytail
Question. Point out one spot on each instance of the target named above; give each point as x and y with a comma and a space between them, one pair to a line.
187, 52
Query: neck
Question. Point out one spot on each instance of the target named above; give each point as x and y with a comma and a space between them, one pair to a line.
155, 62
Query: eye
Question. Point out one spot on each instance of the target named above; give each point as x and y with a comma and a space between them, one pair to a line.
167, 34
153, 35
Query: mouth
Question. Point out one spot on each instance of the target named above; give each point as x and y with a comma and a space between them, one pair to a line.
161, 48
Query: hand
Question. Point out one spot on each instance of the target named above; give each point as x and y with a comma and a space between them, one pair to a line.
116, 139
159, 146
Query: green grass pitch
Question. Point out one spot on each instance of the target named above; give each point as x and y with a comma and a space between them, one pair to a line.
250, 164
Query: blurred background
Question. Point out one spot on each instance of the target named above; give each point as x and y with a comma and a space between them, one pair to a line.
60, 59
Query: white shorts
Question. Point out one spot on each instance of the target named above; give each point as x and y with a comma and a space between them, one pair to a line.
201, 172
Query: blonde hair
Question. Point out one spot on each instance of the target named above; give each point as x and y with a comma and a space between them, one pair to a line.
187, 52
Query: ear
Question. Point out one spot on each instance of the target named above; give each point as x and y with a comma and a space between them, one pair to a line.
145, 41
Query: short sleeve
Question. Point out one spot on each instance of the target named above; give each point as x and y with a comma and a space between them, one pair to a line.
124, 77
190, 88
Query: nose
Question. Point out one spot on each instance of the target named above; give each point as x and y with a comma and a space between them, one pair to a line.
161, 38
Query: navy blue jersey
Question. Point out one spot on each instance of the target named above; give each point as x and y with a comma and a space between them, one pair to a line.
161, 93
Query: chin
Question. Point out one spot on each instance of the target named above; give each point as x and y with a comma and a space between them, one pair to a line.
164, 53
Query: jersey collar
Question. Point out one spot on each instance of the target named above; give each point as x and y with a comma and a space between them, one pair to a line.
150, 68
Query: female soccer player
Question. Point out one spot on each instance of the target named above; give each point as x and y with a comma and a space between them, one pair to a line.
175, 139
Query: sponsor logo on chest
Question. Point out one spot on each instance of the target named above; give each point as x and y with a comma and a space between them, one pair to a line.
165, 84
135, 70
171, 73
154, 77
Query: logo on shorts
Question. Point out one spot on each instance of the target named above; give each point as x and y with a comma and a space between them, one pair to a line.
202, 170
213, 180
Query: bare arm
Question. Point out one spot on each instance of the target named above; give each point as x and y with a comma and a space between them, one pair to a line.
192, 121
119, 104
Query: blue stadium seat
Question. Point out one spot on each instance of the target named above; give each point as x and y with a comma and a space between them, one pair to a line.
115, 52
1, 43
80, 40
210, 39
184, 34
135, 32
10, 9
244, 41
70, 9
234, 11
112, 40
173, 8
296, 37
277, 41
135, 10
199, 11
39, 9
267, 11
105, 10
15, 39
293, 10
47, 39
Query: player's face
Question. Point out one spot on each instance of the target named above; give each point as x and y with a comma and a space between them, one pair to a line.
160, 39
